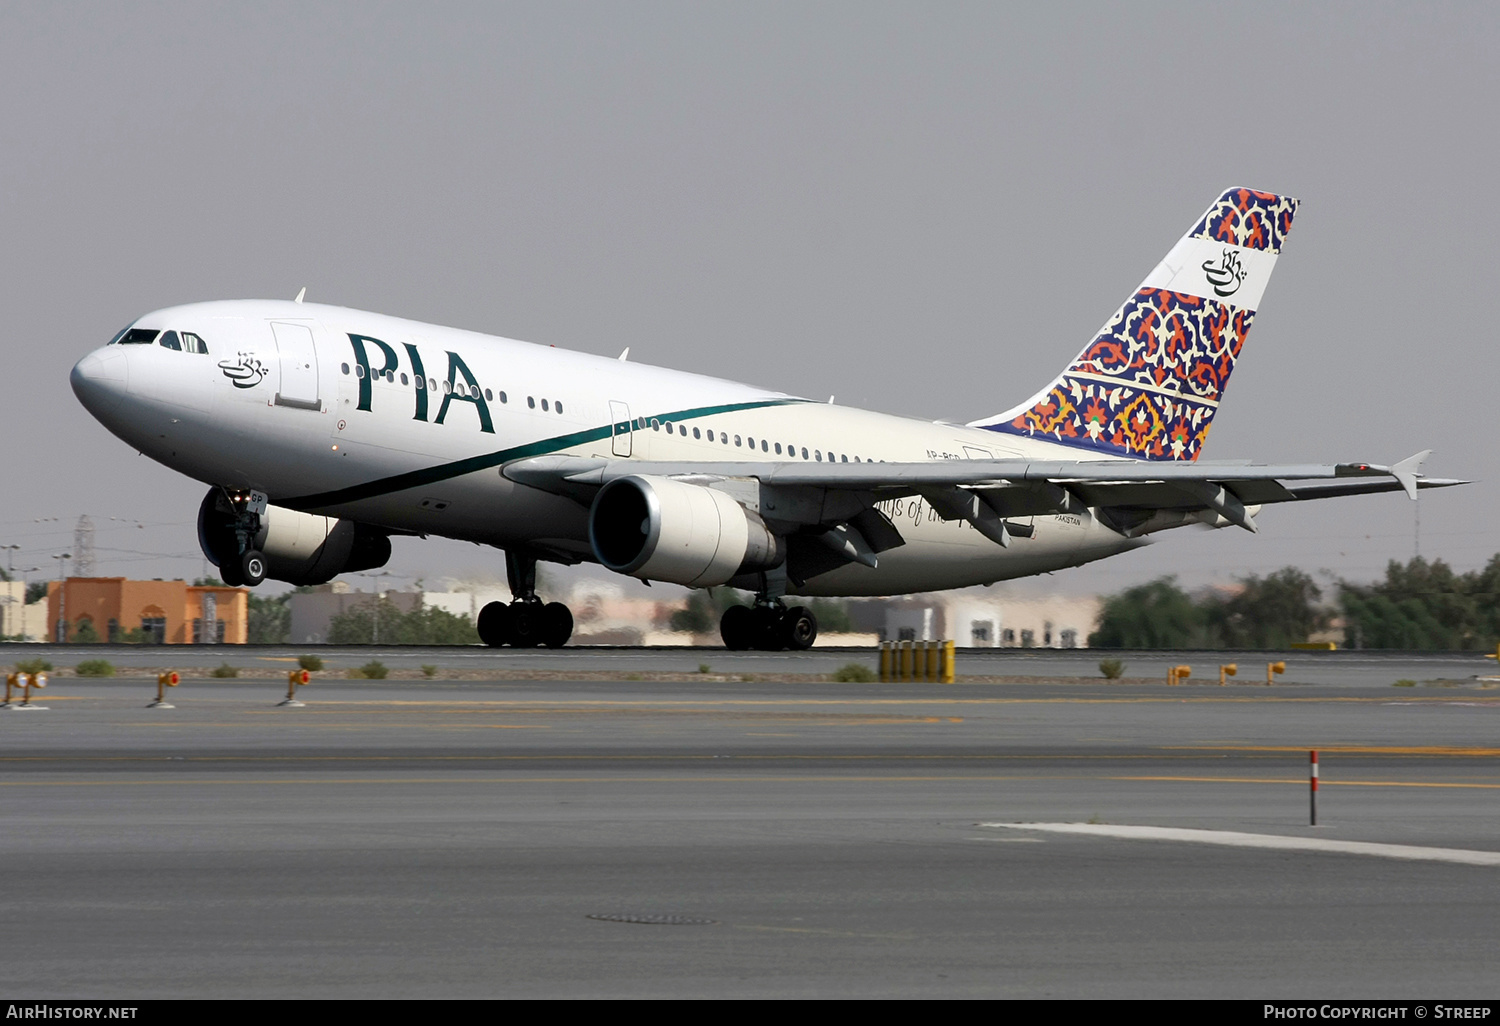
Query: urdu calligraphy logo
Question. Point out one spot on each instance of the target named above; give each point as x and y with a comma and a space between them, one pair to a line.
1227, 277
246, 371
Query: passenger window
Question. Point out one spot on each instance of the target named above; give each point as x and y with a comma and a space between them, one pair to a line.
421, 383
843, 458
544, 406
503, 399
558, 404
750, 441
531, 402
695, 433
489, 396
724, 437
804, 452
778, 448
432, 384
359, 370
818, 455
345, 368
138, 337
169, 341
737, 444
192, 343
404, 379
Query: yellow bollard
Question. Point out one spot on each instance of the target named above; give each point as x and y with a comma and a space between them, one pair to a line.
293, 680
1274, 668
27, 682
930, 663
1178, 674
885, 662
947, 675
906, 660
170, 679
1228, 670
12, 684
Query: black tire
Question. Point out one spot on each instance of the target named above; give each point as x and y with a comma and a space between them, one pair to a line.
557, 625
799, 629
737, 628
767, 628
229, 573
253, 567
494, 624
526, 624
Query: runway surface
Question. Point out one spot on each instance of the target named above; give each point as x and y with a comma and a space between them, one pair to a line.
452, 838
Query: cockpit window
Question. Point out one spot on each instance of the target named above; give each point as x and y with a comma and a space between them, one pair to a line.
194, 343
169, 341
138, 337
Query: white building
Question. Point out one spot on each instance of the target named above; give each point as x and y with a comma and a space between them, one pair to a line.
17, 619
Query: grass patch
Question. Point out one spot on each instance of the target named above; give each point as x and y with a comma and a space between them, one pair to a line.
224, 670
94, 668
632, 676
373, 670
310, 663
429, 670
1404, 683
1111, 668
704, 668
854, 673
33, 666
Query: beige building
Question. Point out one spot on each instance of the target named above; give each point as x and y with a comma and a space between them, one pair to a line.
18, 621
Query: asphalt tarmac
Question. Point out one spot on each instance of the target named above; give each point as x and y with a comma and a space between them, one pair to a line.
461, 837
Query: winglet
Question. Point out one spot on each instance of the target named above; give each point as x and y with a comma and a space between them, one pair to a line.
1406, 472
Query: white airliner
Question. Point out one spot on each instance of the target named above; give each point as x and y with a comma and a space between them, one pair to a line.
323, 431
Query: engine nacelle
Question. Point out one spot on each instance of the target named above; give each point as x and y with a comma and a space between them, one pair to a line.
299, 548
664, 530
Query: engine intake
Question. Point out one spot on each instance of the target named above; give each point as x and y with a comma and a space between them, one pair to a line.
659, 529
299, 548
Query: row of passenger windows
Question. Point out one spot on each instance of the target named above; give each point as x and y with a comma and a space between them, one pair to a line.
457, 387
185, 342
766, 445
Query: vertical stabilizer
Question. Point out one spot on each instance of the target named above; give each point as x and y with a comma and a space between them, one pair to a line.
1147, 387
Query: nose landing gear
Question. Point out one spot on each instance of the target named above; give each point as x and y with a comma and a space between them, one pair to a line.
526, 622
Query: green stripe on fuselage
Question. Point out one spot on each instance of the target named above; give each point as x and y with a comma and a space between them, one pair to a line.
458, 468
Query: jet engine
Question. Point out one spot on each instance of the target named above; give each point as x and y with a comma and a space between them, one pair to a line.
299, 548
659, 529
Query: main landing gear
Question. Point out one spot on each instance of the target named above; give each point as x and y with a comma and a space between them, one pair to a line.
526, 622
768, 626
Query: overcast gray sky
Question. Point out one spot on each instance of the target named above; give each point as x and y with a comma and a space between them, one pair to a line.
924, 208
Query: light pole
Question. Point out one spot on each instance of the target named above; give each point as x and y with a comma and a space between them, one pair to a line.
375, 617
62, 593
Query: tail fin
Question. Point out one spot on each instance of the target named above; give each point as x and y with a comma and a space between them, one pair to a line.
1148, 385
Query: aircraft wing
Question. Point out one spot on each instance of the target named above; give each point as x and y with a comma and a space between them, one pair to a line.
1132, 497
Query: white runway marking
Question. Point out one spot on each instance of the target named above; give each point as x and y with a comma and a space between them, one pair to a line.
1234, 839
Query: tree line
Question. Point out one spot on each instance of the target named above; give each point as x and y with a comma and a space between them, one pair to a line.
1419, 605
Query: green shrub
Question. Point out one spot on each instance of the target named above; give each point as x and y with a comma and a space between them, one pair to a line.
94, 668
33, 666
429, 670
373, 670
704, 668
225, 670
1404, 683
1111, 668
854, 673
311, 663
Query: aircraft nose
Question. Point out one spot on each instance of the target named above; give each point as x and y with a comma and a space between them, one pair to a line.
101, 379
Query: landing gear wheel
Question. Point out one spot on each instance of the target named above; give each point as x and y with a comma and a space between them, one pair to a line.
557, 625
766, 628
494, 624
737, 628
799, 629
253, 567
527, 623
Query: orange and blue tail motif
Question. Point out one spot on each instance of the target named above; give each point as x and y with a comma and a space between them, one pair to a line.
1148, 385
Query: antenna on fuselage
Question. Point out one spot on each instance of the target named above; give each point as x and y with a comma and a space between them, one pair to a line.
625, 353
300, 293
